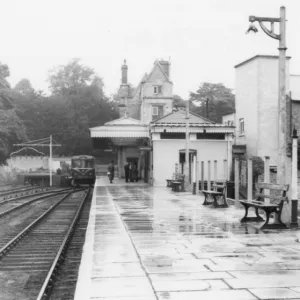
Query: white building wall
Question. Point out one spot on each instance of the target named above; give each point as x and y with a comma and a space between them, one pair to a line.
295, 86
257, 102
229, 119
267, 137
27, 163
166, 155
33, 163
246, 105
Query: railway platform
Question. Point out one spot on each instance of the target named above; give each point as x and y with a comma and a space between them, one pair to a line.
145, 243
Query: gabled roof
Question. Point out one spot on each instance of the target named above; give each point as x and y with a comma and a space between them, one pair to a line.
180, 117
158, 65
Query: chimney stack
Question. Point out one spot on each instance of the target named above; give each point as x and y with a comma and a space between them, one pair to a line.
124, 73
166, 67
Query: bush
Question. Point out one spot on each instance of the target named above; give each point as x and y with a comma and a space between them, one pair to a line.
258, 166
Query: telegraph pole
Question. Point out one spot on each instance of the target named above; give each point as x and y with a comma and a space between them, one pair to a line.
282, 124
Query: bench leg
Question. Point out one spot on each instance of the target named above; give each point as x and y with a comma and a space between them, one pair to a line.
258, 218
205, 200
267, 225
216, 204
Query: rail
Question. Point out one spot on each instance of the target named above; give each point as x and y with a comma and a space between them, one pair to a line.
47, 285
17, 238
49, 194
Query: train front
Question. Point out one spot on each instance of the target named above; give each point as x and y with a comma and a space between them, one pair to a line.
83, 170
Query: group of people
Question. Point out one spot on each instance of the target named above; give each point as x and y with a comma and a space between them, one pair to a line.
131, 172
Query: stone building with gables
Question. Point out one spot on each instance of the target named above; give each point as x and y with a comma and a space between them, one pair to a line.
151, 132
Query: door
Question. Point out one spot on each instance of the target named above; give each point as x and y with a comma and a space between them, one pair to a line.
133, 160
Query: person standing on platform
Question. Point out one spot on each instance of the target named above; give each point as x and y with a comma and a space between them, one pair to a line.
134, 176
130, 171
126, 169
111, 171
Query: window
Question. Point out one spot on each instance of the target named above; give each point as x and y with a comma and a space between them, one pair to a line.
210, 136
157, 89
172, 135
242, 126
157, 111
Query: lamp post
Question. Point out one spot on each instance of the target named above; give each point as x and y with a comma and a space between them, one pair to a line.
187, 150
282, 126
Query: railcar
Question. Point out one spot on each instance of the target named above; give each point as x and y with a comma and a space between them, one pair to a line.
83, 170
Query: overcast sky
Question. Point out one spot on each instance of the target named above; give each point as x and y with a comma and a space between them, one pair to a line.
203, 39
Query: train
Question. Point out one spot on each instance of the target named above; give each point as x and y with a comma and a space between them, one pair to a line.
82, 170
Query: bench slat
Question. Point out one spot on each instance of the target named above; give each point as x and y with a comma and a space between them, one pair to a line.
271, 186
256, 203
279, 198
212, 192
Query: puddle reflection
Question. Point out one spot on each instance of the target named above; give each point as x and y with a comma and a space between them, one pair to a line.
142, 212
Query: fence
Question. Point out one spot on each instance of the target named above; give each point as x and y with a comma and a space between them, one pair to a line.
246, 173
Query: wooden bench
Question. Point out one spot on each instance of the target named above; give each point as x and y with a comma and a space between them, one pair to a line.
178, 183
217, 195
275, 205
169, 182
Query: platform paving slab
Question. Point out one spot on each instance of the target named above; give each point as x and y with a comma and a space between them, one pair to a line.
146, 243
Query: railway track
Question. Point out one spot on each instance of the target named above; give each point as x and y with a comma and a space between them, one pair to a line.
22, 191
12, 204
63, 285
34, 250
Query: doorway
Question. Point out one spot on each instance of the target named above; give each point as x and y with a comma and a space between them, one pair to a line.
192, 155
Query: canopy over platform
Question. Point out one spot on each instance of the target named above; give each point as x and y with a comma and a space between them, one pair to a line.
124, 127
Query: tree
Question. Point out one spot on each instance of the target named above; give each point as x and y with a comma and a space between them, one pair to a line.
77, 91
12, 129
178, 101
24, 87
220, 100
69, 78
4, 73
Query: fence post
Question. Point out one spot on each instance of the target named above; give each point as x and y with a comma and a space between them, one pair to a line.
294, 194
236, 182
197, 177
215, 170
208, 175
194, 175
250, 181
267, 176
202, 175
225, 169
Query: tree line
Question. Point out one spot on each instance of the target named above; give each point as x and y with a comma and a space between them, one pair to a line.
76, 103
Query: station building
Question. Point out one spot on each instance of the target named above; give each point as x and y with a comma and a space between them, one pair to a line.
151, 132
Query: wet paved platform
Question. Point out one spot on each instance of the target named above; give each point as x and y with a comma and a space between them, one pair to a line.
147, 243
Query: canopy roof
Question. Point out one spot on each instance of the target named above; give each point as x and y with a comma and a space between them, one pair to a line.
124, 127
